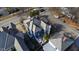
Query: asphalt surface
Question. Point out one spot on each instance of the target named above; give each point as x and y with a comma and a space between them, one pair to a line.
14, 19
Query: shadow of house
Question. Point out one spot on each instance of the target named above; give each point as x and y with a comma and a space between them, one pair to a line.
5, 29
33, 45
20, 38
55, 28
58, 27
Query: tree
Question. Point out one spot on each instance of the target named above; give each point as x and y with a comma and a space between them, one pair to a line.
46, 37
34, 13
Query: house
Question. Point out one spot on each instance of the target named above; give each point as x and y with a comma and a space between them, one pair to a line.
37, 27
12, 38
6, 42
62, 41
9, 42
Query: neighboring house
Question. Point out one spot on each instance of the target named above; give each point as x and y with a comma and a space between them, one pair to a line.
12, 43
62, 42
6, 41
11, 38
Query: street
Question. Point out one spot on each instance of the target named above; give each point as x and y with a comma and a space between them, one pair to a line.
14, 19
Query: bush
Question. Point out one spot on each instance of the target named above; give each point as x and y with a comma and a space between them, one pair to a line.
34, 13
46, 37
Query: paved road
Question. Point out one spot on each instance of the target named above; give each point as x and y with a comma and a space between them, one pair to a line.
14, 19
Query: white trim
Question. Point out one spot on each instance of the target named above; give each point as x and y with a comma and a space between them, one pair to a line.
5, 42
77, 36
17, 45
34, 27
31, 27
52, 44
43, 25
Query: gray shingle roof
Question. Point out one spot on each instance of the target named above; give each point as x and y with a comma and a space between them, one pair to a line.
6, 41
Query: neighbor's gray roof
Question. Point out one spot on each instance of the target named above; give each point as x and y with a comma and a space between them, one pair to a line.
58, 41
6, 41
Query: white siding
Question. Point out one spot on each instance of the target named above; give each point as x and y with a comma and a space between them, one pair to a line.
31, 26
17, 46
25, 23
49, 47
43, 25
34, 27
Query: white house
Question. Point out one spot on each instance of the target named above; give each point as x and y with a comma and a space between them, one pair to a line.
37, 27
